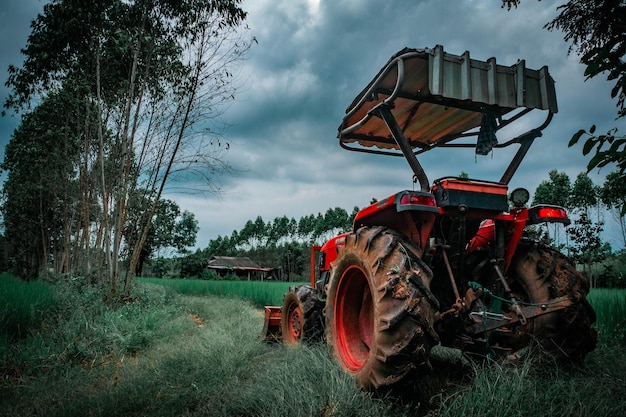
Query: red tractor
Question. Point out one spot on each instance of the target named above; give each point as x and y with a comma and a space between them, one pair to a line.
450, 263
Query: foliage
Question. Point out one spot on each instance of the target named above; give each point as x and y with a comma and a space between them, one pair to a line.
613, 196
596, 31
584, 194
193, 265
555, 191
611, 272
169, 227
41, 193
283, 244
615, 154
160, 267
586, 247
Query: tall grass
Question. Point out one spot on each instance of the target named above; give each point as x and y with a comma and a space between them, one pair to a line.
610, 307
22, 305
260, 293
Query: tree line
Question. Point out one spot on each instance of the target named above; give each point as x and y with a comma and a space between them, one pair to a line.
593, 208
283, 243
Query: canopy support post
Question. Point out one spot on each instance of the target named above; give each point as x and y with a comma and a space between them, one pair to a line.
384, 112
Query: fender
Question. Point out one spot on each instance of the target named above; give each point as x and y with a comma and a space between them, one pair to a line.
519, 218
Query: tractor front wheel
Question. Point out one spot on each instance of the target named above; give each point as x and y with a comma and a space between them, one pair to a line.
302, 315
379, 312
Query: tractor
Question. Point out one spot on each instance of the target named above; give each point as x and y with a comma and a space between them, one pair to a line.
452, 262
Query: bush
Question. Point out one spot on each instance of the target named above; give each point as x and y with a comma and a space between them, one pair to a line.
611, 273
209, 274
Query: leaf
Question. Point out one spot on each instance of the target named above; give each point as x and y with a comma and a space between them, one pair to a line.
592, 69
594, 161
615, 91
592, 129
589, 144
576, 137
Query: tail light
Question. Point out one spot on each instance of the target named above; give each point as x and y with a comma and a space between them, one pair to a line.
550, 214
411, 200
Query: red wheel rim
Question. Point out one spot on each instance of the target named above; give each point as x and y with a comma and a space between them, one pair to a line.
295, 321
353, 319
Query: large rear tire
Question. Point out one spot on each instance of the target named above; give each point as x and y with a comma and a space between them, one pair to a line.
540, 274
302, 315
379, 310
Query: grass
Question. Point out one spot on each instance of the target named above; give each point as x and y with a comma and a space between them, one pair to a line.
169, 354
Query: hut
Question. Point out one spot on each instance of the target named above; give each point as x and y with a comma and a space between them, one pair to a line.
244, 267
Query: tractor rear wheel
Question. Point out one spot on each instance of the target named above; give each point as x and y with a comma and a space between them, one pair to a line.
541, 274
379, 310
302, 318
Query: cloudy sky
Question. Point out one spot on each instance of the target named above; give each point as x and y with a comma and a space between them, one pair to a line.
314, 56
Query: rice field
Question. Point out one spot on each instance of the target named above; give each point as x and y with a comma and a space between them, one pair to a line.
260, 293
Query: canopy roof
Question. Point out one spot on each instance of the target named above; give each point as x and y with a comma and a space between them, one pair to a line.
235, 263
437, 97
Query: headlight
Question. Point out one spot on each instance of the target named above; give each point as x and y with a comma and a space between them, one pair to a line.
520, 196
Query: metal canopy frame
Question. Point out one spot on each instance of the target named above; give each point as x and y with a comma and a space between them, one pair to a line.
425, 98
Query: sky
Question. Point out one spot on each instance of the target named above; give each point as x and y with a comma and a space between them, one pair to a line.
314, 57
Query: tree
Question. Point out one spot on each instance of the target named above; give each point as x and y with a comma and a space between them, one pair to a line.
41, 194
169, 228
615, 154
151, 71
596, 31
586, 243
584, 194
555, 191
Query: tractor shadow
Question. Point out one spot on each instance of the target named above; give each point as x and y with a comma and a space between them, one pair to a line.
451, 372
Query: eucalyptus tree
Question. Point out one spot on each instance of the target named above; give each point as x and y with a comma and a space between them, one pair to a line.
584, 194
556, 190
42, 193
157, 72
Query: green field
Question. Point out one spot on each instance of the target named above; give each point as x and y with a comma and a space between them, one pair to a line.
260, 293
68, 353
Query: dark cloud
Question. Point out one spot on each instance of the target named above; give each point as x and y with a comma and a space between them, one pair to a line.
315, 56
